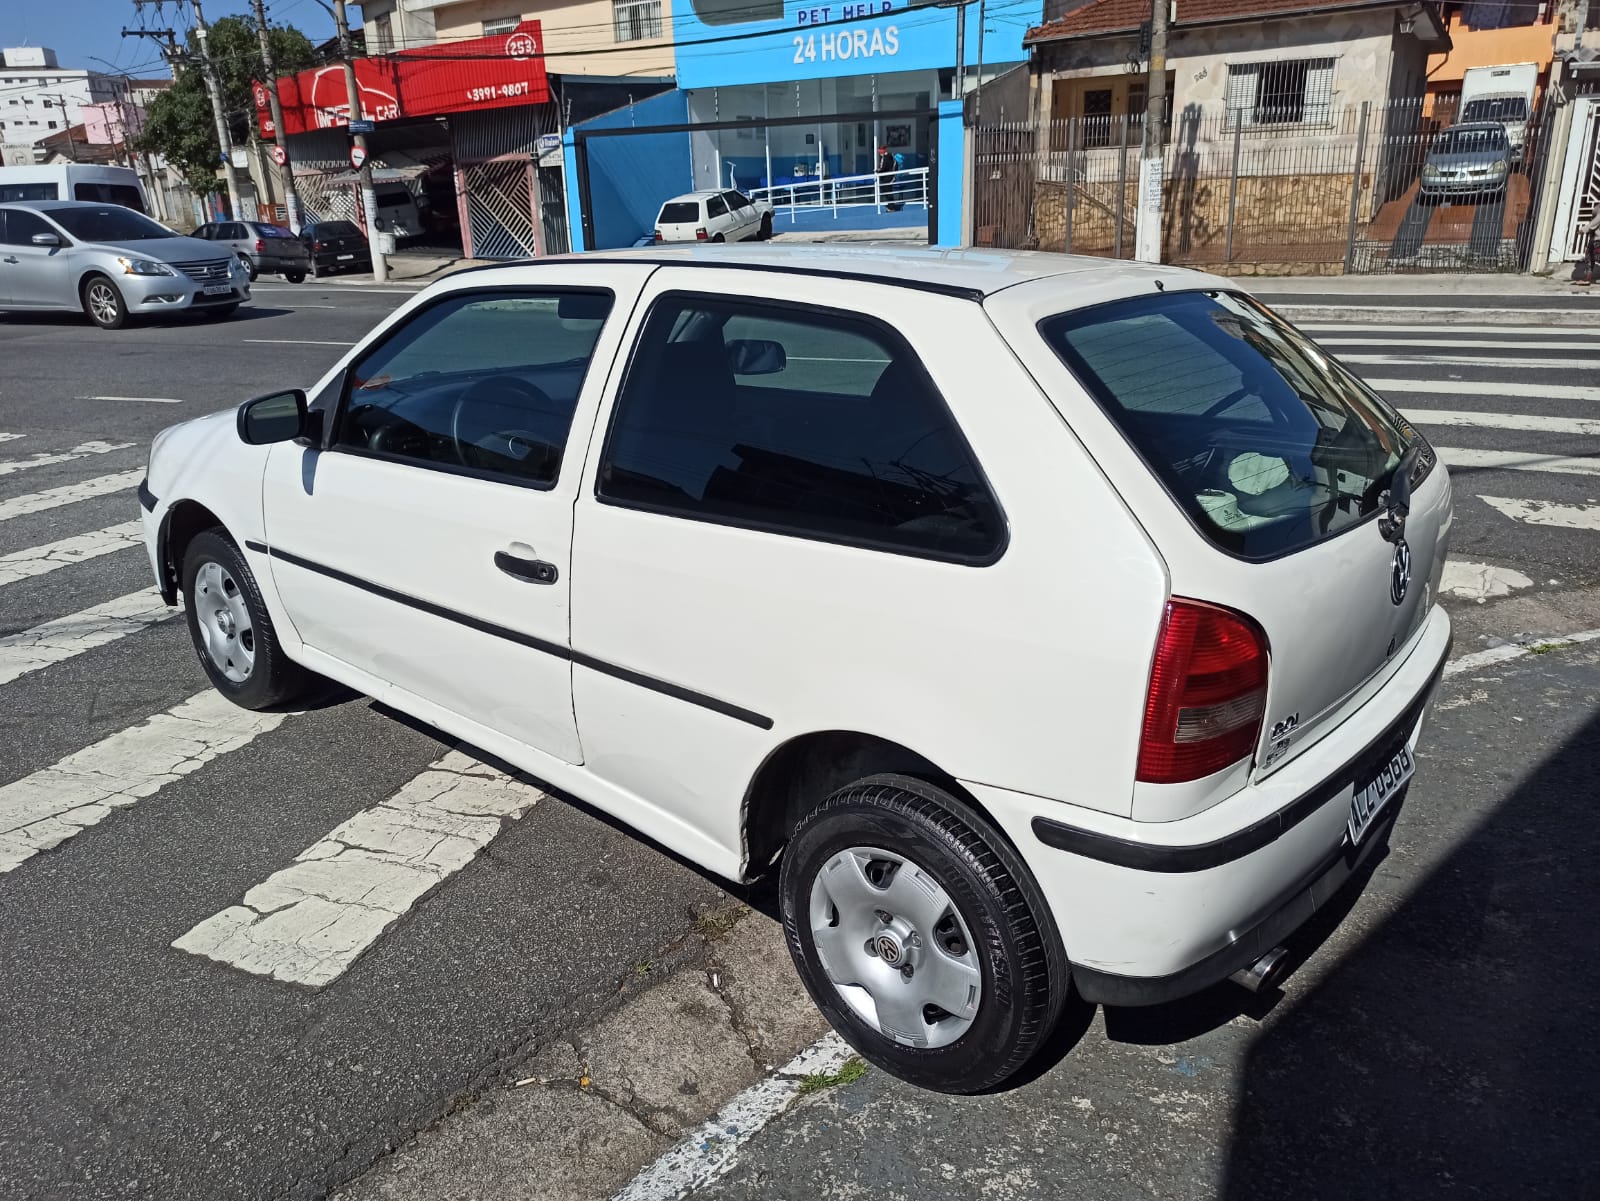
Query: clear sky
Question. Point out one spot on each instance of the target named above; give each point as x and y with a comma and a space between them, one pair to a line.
81, 31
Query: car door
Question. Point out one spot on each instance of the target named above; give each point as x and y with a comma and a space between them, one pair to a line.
34, 277
718, 220
427, 541
746, 220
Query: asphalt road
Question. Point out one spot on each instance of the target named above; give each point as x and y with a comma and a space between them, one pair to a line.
136, 1070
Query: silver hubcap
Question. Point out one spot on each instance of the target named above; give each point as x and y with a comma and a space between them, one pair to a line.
224, 620
895, 946
102, 302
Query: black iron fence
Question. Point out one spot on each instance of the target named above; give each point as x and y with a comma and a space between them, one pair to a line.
1366, 188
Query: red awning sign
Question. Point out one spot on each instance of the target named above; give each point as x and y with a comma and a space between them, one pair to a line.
489, 72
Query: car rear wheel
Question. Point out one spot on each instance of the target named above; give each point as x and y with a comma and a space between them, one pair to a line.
718, 238
295, 277
230, 627
921, 936
250, 267
103, 303
766, 227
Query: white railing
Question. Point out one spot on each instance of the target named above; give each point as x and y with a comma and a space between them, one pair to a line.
901, 189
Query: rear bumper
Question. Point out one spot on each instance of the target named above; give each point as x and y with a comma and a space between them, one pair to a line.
1151, 911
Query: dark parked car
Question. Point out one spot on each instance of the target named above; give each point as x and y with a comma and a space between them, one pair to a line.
265, 249
336, 246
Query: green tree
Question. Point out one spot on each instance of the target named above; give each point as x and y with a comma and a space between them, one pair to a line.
179, 123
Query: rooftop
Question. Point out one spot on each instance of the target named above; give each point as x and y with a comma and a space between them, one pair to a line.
1125, 16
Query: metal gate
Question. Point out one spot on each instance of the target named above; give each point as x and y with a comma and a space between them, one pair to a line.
499, 196
1580, 182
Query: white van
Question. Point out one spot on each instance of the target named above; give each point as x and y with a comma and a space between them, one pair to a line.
73, 181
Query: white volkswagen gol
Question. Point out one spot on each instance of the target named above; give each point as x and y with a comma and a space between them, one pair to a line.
1051, 623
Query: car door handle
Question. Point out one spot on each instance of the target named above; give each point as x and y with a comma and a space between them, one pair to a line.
535, 571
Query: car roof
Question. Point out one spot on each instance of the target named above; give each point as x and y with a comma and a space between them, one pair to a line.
970, 273
700, 195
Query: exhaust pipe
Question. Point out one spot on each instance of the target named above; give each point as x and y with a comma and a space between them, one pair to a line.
1265, 972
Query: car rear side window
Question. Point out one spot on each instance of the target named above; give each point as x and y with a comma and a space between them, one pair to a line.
482, 383
110, 193
10, 193
679, 212
716, 206
1267, 443
799, 421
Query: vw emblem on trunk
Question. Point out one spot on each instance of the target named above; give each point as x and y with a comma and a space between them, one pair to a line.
1400, 572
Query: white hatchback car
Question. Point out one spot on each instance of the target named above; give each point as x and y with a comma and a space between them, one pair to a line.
714, 217
1050, 624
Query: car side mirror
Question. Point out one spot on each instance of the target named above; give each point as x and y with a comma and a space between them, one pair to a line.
47, 239
756, 356
280, 417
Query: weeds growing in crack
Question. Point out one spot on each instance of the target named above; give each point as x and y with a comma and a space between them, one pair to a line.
849, 1072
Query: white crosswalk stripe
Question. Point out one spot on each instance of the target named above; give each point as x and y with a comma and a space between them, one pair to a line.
61, 639
1505, 421
46, 459
1473, 387
5, 437
1461, 344
43, 810
1448, 360
66, 494
309, 922
1517, 460
1536, 512
36, 560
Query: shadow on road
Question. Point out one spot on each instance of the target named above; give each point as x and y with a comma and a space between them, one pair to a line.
1453, 1051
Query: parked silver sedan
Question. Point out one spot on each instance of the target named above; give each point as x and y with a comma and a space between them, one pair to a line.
110, 263
1468, 160
264, 249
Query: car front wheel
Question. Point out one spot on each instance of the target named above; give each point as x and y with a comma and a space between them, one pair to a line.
921, 936
230, 627
104, 303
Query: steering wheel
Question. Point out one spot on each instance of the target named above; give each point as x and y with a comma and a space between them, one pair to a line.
475, 430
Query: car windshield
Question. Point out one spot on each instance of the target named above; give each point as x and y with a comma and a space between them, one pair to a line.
336, 229
272, 231
1496, 108
679, 212
1267, 443
1470, 141
108, 223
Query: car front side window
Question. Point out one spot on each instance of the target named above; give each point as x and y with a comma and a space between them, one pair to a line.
21, 225
797, 420
481, 383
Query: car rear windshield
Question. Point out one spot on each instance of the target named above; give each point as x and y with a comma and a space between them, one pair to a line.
337, 229
1264, 441
679, 212
107, 223
272, 231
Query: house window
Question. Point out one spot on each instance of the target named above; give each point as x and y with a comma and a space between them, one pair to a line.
1294, 92
382, 34
635, 20
500, 26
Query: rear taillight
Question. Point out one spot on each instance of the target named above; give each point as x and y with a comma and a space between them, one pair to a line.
1208, 690
659, 238
319, 246
699, 235
260, 246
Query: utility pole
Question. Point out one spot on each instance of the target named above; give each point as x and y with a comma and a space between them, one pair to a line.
369, 199
1147, 223
208, 71
66, 121
291, 198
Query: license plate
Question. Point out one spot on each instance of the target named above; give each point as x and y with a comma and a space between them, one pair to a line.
218, 289
1370, 798
342, 257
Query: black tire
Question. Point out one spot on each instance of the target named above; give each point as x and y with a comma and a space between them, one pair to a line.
718, 238
766, 227
217, 312
273, 677
1024, 971
103, 303
294, 277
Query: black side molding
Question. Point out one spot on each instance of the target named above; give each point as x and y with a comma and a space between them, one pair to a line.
1149, 857
664, 687
147, 498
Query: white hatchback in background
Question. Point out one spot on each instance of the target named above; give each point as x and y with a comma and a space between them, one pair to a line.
714, 216
1070, 628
